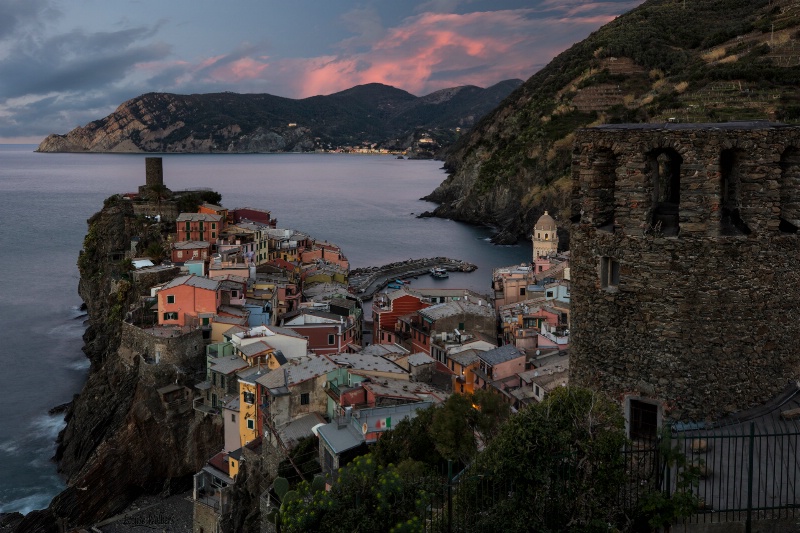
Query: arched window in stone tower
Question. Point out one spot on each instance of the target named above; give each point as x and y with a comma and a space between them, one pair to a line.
730, 170
664, 167
601, 193
790, 190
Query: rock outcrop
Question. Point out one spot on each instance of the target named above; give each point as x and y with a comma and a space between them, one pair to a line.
121, 440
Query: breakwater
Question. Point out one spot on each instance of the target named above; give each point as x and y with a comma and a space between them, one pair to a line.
365, 282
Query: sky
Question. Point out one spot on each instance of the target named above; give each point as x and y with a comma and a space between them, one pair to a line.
65, 63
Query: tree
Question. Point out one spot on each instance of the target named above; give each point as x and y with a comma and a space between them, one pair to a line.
559, 463
464, 422
365, 496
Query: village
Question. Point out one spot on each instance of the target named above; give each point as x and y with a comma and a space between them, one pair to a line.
289, 353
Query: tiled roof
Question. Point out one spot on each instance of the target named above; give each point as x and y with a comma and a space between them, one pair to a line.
383, 349
193, 281
501, 354
255, 348
365, 362
297, 371
456, 308
190, 245
192, 217
466, 358
213, 207
300, 428
420, 358
233, 320
226, 365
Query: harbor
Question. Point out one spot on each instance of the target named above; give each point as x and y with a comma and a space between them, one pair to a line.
366, 282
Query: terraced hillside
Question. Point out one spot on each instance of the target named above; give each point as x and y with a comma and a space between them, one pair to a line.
667, 60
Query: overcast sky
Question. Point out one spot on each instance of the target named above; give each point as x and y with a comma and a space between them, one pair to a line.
64, 63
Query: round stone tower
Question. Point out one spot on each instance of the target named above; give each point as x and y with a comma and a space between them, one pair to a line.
154, 171
545, 238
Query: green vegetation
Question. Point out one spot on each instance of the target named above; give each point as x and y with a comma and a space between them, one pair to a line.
555, 466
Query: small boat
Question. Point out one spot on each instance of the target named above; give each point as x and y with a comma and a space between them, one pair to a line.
439, 273
394, 286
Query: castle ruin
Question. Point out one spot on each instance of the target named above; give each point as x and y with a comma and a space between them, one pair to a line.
685, 278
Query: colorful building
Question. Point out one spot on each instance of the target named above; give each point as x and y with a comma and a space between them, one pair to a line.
188, 301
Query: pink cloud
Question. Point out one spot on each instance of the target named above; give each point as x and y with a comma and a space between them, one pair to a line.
425, 53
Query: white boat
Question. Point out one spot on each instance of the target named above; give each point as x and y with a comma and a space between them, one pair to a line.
439, 273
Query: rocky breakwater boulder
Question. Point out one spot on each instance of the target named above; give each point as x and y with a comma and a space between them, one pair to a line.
121, 440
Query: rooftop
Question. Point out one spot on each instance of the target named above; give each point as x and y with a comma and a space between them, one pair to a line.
193, 281
228, 365
297, 371
193, 217
366, 362
500, 355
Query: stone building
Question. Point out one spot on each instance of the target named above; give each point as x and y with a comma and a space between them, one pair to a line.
544, 237
684, 266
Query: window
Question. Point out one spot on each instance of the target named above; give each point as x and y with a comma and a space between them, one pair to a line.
643, 419
305, 398
251, 424
222, 381
609, 273
536, 390
331, 339
188, 226
213, 234
201, 225
171, 315
522, 291
549, 294
234, 294
249, 398
180, 255
202, 236
233, 417
213, 226
171, 297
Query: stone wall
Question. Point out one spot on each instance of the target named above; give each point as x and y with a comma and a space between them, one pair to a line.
704, 320
184, 349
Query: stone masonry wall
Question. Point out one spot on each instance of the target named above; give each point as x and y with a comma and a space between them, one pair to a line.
705, 321
184, 350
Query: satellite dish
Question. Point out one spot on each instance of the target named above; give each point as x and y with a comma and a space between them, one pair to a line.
538, 352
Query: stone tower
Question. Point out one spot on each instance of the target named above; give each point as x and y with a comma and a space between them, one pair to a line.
544, 237
154, 171
684, 253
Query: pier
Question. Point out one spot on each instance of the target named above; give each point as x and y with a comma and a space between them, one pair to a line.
365, 282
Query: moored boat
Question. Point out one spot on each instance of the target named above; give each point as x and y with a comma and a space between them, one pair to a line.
439, 273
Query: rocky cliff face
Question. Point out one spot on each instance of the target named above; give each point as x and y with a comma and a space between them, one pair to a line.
120, 440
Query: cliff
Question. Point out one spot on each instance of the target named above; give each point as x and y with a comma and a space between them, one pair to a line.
237, 123
664, 61
121, 440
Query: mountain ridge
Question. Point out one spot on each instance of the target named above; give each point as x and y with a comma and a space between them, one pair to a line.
373, 113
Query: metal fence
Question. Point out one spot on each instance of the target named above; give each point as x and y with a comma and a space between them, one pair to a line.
743, 473
747, 471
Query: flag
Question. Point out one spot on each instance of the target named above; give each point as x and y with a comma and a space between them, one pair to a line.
384, 423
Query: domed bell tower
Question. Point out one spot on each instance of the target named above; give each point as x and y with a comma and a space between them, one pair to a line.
544, 237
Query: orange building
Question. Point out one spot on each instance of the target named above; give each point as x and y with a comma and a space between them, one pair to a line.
211, 209
188, 301
199, 227
387, 311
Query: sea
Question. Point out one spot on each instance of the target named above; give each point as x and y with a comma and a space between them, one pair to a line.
367, 204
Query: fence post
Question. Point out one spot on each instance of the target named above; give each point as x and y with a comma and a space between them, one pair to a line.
449, 496
748, 527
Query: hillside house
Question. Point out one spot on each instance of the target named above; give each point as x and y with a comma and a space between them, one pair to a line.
198, 227
188, 301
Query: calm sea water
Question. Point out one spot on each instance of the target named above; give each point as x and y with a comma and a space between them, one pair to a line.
366, 204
